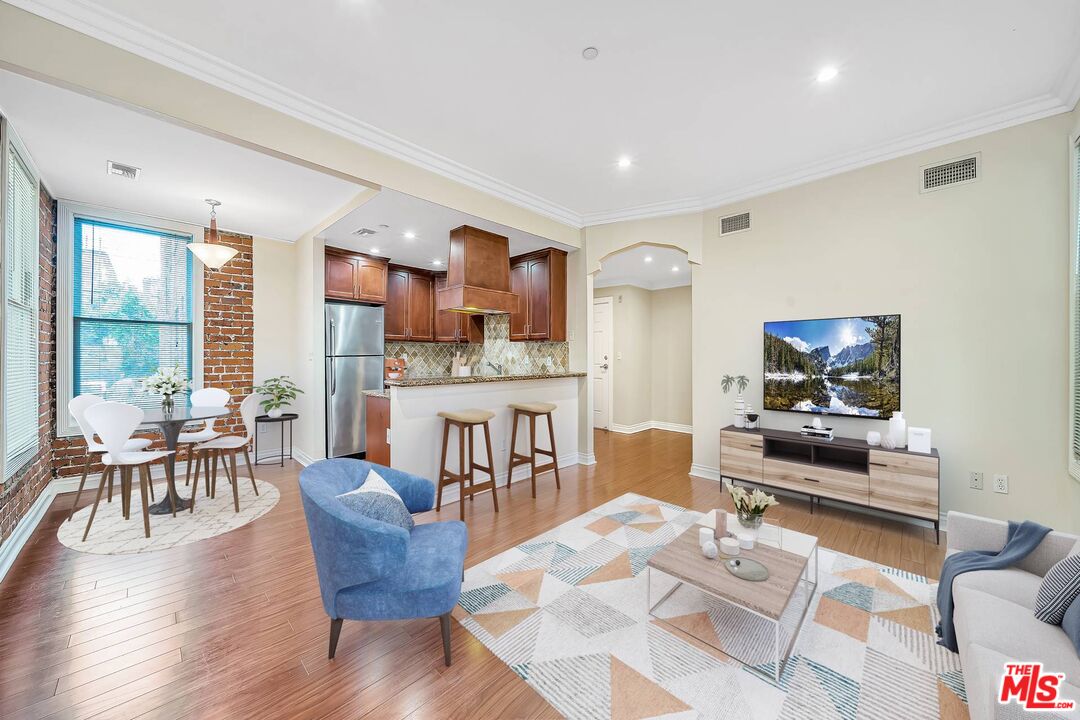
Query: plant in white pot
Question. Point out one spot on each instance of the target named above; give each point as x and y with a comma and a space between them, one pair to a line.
280, 392
741, 382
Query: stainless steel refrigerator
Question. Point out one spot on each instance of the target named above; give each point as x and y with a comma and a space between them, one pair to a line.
354, 363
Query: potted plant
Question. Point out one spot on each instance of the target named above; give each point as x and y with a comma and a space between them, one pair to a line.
751, 506
166, 382
280, 391
741, 382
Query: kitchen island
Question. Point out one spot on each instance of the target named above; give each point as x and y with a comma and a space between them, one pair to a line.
415, 429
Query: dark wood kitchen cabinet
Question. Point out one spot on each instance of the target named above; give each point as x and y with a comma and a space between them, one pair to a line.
410, 308
455, 327
355, 276
377, 430
539, 280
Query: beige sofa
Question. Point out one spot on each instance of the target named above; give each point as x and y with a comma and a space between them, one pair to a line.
995, 621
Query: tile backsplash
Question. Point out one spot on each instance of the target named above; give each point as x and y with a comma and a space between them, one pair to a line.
435, 359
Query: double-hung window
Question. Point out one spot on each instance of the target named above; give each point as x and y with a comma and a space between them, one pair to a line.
19, 376
130, 307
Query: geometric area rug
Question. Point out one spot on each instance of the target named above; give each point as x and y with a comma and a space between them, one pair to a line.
567, 612
111, 534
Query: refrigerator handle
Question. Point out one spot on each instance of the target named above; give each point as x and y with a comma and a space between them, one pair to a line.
333, 337
333, 375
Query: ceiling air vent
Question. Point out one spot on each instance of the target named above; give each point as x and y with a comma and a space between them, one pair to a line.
128, 172
734, 223
953, 172
364, 232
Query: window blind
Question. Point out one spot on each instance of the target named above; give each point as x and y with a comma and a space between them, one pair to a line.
1076, 321
131, 309
20, 363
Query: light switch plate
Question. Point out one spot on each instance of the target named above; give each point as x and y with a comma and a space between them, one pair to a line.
975, 480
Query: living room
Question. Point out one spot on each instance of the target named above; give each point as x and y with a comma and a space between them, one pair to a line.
874, 327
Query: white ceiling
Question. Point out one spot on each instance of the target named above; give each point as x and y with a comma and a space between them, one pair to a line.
630, 267
430, 223
714, 100
71, 137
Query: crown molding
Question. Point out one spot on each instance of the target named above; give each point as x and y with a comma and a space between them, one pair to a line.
121, 32
116, 30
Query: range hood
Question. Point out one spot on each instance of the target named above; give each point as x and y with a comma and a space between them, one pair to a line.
477, 274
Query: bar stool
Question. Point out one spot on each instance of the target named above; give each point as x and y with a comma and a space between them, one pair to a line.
532, 411
465, 421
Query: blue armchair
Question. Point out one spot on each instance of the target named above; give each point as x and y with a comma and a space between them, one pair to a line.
370, 570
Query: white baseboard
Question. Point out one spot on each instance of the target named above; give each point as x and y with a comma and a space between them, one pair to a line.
451, 493
705, 472
652, 425
585, 459
11, 547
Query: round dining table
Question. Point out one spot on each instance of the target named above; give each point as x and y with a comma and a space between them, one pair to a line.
171, 423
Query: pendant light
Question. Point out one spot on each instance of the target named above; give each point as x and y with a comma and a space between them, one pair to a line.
212, 253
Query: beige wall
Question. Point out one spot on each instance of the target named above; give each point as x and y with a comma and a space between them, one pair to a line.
672, 371
274, 307
652, 354
677, 231
979, 274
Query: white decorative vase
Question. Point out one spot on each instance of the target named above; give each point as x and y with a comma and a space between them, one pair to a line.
740, 411
898, 429
873, 438
275, 413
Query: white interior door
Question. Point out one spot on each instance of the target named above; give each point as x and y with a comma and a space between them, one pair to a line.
602, 375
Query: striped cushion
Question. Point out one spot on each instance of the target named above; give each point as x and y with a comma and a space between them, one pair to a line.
1059, 588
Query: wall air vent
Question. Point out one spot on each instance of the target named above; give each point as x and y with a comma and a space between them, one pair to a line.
128, 172
734, 223
958, 171
364, 232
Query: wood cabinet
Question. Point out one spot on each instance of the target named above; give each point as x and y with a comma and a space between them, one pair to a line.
539, 281
355, 276
410, 296
377, 430
904, 483
456, 327
843, 469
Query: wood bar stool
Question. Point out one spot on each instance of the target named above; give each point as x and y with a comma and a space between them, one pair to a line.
532, 411
465, 421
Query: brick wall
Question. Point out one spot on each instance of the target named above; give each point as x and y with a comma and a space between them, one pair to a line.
20, 493
229, 328
228, 344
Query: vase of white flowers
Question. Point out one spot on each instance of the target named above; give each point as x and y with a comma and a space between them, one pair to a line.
751, 506
166, 382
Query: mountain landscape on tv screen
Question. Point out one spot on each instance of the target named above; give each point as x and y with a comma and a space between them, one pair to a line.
840, 366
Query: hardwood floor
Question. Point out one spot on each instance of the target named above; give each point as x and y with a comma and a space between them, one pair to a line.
232, 627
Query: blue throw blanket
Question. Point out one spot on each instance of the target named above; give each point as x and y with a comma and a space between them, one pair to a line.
1021, 540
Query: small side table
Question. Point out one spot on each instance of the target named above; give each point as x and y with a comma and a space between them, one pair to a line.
280, 420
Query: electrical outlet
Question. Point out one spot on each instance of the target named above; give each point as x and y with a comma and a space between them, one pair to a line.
1001, 484
975, 480
618, 356
263, 427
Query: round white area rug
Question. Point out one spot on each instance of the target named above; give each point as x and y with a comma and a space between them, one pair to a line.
111, 534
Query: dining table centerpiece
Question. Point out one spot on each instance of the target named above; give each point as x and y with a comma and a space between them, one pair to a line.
166, 382
750, 507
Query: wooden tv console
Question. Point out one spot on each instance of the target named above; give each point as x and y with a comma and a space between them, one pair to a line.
843, 469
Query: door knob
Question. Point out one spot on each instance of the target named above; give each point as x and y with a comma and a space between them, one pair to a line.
604, 366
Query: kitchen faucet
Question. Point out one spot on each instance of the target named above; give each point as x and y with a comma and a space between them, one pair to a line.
497, 368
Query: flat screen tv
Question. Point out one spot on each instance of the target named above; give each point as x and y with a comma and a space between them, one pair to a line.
834, 366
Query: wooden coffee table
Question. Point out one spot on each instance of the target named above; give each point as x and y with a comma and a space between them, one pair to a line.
789, 569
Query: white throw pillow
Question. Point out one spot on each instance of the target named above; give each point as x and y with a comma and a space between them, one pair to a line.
377, 500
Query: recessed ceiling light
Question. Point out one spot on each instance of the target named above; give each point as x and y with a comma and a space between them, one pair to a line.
590, 53
410, 235
827, 73
625, 162
674, 268
648, 258
436, 262
375, 250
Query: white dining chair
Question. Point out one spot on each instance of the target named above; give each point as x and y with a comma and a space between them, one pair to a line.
230, 445
114, 423
77, 407
204, 397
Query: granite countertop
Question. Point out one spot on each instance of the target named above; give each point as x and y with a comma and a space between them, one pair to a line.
448, 380
376, 393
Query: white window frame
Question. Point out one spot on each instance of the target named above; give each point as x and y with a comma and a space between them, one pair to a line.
1074, 299
9, 136
67, 212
